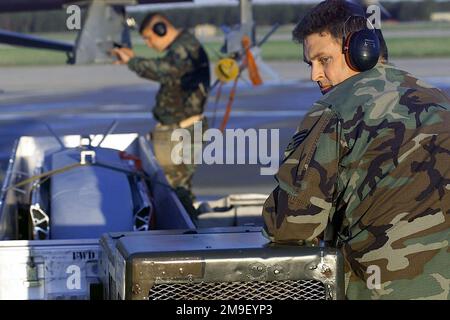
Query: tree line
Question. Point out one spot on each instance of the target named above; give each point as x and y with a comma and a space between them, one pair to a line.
55, 21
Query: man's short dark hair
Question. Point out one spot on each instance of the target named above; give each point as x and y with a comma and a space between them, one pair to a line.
331, 16
148, 19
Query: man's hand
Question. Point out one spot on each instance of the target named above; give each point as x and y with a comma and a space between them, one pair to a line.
123, 54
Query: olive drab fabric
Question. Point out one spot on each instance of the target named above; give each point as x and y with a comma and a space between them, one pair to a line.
374, 150
178, 175
184, 76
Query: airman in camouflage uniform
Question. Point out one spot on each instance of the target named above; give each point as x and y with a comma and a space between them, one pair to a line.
372, 157
184, 77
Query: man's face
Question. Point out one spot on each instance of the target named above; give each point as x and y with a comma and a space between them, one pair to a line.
152, 40
323, 54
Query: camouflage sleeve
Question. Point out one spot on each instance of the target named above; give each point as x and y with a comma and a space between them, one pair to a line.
173, 65
302, 204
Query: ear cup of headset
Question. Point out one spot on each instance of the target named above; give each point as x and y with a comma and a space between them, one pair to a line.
160, 29
362, 50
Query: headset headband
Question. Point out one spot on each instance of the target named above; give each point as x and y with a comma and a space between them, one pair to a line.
355, 9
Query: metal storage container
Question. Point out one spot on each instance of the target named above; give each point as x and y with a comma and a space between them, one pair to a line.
221, 263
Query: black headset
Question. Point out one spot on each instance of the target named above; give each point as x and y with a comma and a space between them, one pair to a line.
361, 48
160, 29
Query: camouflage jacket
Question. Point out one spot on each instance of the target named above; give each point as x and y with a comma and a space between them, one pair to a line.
373, 156
184, 76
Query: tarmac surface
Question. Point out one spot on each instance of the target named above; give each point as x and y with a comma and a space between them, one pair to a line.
87, 99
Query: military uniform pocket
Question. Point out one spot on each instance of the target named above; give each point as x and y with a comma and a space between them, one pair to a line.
293, 172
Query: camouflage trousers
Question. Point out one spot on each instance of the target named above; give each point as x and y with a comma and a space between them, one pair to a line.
178, 175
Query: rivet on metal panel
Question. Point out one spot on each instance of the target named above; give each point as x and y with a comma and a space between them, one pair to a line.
326, 270
136, 289
278, 270
257, 270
